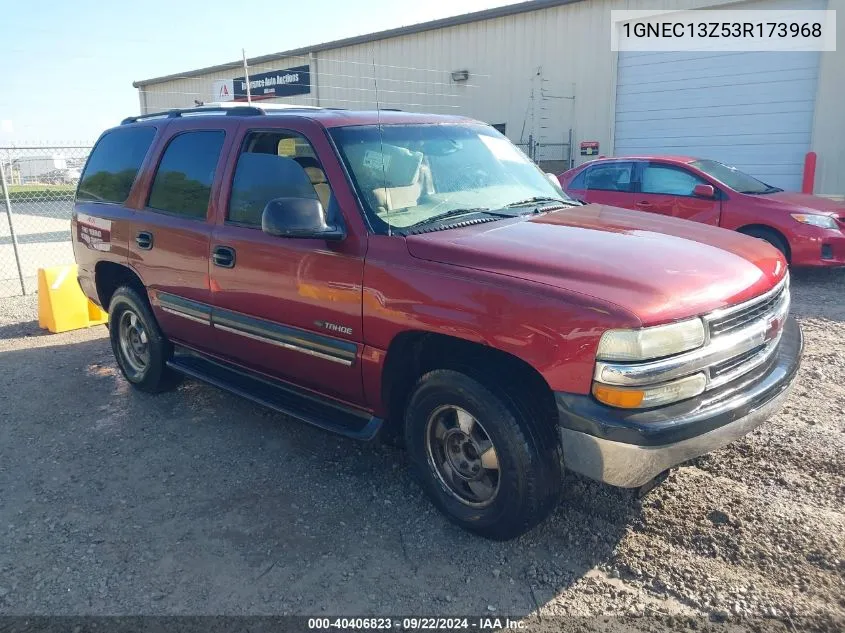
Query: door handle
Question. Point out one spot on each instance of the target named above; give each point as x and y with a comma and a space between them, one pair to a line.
223, 256
643, 203
144, 240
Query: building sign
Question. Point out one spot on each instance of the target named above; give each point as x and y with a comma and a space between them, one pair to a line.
589, 148
269, 85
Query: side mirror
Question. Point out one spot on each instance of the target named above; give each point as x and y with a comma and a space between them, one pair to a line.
298, 217
704, 191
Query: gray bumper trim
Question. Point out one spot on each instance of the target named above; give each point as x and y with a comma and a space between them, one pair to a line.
631, 466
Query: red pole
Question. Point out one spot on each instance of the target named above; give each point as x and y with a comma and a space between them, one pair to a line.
809, 173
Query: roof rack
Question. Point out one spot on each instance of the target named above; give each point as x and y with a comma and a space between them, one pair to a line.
177, 113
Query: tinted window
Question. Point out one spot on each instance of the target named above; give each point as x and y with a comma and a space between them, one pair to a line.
182, 183
610, 177
113, 165
667, 180
276, 165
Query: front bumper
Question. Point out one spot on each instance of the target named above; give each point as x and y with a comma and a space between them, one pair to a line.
628, 448
818, 247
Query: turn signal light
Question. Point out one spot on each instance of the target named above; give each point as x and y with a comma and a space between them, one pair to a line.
654, 396
615, 397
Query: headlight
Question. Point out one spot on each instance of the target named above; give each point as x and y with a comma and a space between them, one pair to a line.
643, 397
651, 342
822, 221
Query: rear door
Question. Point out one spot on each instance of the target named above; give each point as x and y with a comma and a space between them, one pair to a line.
102, 216
668, 190
610, 183
169, 241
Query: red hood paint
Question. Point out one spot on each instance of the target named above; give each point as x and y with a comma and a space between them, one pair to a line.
805, 202
660, 269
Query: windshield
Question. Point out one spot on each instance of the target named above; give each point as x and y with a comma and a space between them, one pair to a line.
408, 175
733, 178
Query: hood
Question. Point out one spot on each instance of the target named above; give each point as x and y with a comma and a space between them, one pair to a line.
660, 269
806, 202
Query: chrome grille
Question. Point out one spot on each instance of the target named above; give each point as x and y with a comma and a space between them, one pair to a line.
723, 368
741, 338
740, 318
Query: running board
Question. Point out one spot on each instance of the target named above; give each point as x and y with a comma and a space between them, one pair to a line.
297, 403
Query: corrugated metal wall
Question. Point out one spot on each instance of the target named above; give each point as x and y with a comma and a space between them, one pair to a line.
554, 54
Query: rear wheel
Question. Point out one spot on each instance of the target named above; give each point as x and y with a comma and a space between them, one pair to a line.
487, 464
770, 236
139, 346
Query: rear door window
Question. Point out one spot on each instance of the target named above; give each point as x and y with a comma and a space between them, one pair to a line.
114, 164
182, 184
610, 177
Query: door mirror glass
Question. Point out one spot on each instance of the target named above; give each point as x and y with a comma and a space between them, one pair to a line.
298, 217
704, 191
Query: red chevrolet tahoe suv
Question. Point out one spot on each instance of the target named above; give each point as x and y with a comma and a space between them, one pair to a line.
808, 230
417, 277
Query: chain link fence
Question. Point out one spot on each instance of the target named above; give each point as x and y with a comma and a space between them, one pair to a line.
38, 185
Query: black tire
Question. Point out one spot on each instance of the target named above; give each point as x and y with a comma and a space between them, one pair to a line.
770, 236
142, 359
528, 474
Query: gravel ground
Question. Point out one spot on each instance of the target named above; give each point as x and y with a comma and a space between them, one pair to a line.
198, 502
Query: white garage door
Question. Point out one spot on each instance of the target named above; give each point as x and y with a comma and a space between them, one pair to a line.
750, 110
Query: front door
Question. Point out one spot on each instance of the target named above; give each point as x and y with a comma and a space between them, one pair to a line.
668, 190
286, 307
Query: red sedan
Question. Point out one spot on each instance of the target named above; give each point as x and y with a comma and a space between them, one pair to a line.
808, 230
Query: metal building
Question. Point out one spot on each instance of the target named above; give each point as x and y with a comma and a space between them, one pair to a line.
544, 70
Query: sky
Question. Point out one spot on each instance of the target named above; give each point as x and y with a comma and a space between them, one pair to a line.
66, 68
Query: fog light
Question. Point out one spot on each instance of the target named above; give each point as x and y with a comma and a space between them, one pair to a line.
827, 251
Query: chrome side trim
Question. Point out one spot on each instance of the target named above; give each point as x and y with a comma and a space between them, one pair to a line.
185, 315
282, 344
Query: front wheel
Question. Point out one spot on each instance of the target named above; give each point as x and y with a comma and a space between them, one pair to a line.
139, 346
486, 463
770, 236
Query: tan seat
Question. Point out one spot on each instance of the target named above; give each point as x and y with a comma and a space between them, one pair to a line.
321, 185
390, 198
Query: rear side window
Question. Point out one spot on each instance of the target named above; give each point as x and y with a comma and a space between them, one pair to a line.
113, 165
610, 177
182, 184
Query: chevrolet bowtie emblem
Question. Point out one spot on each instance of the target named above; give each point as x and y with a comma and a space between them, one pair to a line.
773, 329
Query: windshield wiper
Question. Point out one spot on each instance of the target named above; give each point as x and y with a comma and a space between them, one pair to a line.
768, 189
539, 200
454, 213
